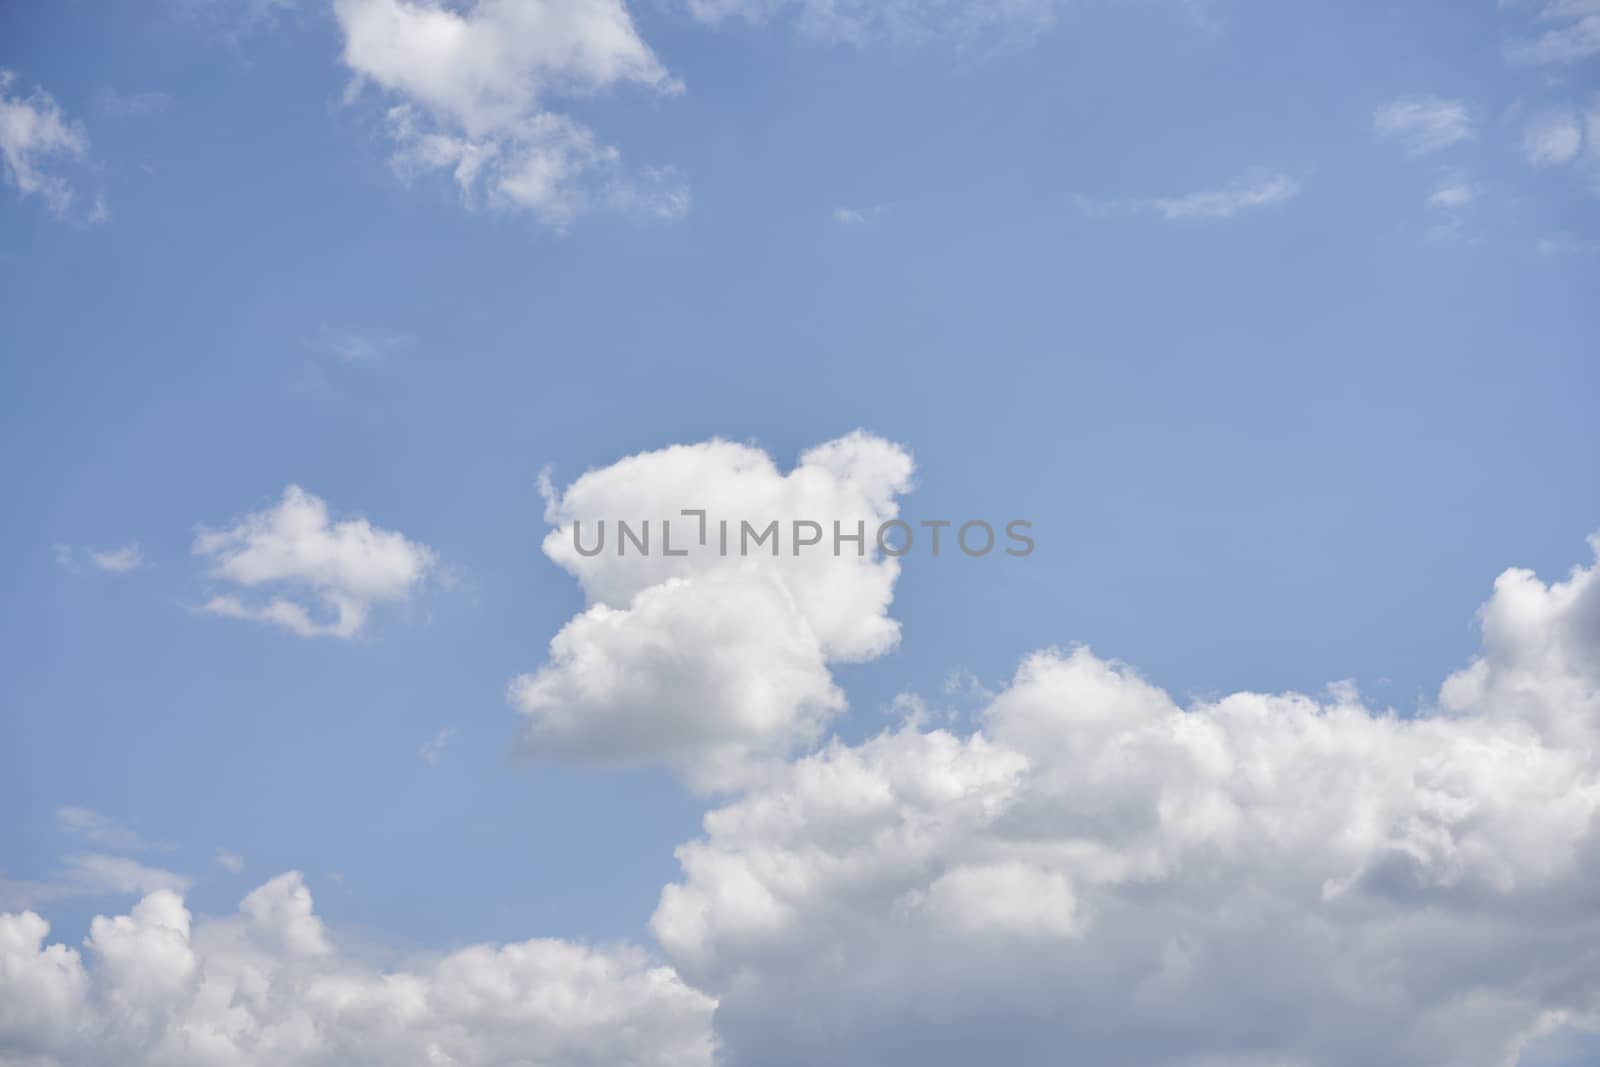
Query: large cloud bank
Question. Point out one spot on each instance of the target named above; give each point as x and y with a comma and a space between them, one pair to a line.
1089, 872
1098, 872
268, 988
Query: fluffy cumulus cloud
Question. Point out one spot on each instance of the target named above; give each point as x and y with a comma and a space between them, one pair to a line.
1088, 869
268, 987
40, 147
1095, 870
711, 659
323, 577
468, 88
1424, 124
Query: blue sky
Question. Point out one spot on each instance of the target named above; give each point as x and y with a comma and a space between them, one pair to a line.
1276, 321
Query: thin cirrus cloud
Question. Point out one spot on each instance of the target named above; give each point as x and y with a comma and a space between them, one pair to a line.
467, 91
1569, 33
133, 105
1553, 139
1566, 244
104, 830
360, 346
1214, 205
859, 216
99, 872
1452, 194
43, 151
433, 751
110, 560
118, 560
863, 22
972, 26
86, 874
1424, 124
322, 578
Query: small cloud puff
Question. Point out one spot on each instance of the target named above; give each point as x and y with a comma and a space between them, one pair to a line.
327, 575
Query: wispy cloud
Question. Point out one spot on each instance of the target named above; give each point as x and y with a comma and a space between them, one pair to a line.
1453, 194
859, 216
359, 346
1573, 34
132, 105
1259, 191
977, 26
237, 19
1552, 139
96, 872
1566, 244
39, 146
112, 560
104, 830
231, 862
1450, 206
433, 751
1424, 124
89, 874
118, 560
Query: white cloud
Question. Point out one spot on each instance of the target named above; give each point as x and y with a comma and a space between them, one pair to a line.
859, 216
1253, 880
328, 575
1453, 194
104, 830
1552, 140
706, 661
17, 894
1449, 204
1424, 124
359, 346
433, 751
97, 872
93, 873
469, 87
1258, 879
1566, 244
1261, 190
231, 862
1573, 36
118, 560
36, 143
111, 560
268, 987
